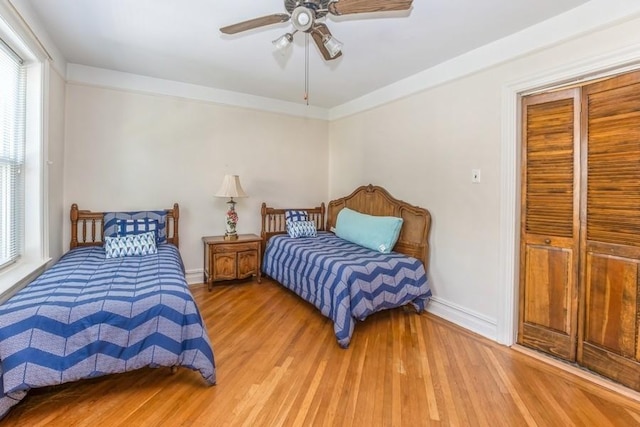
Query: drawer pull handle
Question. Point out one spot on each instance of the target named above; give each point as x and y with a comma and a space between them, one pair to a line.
547, 241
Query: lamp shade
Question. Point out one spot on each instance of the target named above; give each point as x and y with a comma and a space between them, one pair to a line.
333, 45
231, 187
282, 42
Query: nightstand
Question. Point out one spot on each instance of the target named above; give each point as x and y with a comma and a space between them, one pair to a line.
231, 259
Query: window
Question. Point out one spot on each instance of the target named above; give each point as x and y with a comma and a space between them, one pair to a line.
23, 238
12, 154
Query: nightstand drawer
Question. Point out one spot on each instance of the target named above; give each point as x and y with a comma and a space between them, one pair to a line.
235, 247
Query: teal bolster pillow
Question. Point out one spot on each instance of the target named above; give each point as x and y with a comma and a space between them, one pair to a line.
379, 233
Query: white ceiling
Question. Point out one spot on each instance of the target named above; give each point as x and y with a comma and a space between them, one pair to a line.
179, 40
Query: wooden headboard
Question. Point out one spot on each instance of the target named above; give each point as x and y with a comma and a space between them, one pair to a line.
370, 200
87, 228
273, 221
374, 200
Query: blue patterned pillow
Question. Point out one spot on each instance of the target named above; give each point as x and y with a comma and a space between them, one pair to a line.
301, 229
130, 245
296, 216
111, 228
125, 227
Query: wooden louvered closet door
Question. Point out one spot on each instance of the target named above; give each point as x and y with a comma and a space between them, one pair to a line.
609, 341
549, 235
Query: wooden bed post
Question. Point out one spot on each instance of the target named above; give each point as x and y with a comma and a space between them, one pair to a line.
176, 216
74, 226
323, 221
263, 233
263, 212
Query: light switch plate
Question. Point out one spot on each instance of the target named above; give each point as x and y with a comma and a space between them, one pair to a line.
475, 176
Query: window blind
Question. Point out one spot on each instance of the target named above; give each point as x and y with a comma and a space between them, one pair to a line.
12, 151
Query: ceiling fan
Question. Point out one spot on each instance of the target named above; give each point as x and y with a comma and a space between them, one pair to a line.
304, 15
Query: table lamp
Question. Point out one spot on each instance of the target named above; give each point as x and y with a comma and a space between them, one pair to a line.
231, 188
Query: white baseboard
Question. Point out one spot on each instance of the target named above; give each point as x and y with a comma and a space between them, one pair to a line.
194, 276
463, 317
454, 313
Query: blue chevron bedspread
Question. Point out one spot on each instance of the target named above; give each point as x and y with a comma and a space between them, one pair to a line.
89, 316
345, 281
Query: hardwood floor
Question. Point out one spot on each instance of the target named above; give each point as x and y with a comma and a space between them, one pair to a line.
278, 364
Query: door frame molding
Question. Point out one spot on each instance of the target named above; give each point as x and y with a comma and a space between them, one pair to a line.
614, 62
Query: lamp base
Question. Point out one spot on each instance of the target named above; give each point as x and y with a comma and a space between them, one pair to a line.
231, 221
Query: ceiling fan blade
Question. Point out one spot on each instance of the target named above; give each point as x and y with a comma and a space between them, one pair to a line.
318, 33
344, 7
255, 23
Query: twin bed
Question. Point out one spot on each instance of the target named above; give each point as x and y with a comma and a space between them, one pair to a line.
92, 314
99, 311
345, 281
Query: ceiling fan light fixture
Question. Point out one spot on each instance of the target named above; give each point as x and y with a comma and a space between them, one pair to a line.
302, 18
304, 14
282, 42
333, 45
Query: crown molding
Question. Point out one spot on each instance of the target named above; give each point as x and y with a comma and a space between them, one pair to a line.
101, 77
589, 17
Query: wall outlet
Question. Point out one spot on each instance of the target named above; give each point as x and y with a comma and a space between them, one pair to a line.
475, 176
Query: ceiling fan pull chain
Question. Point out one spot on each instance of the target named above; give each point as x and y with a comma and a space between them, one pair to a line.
306, 68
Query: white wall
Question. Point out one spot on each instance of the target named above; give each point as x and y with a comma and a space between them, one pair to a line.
422, 149
129, 151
